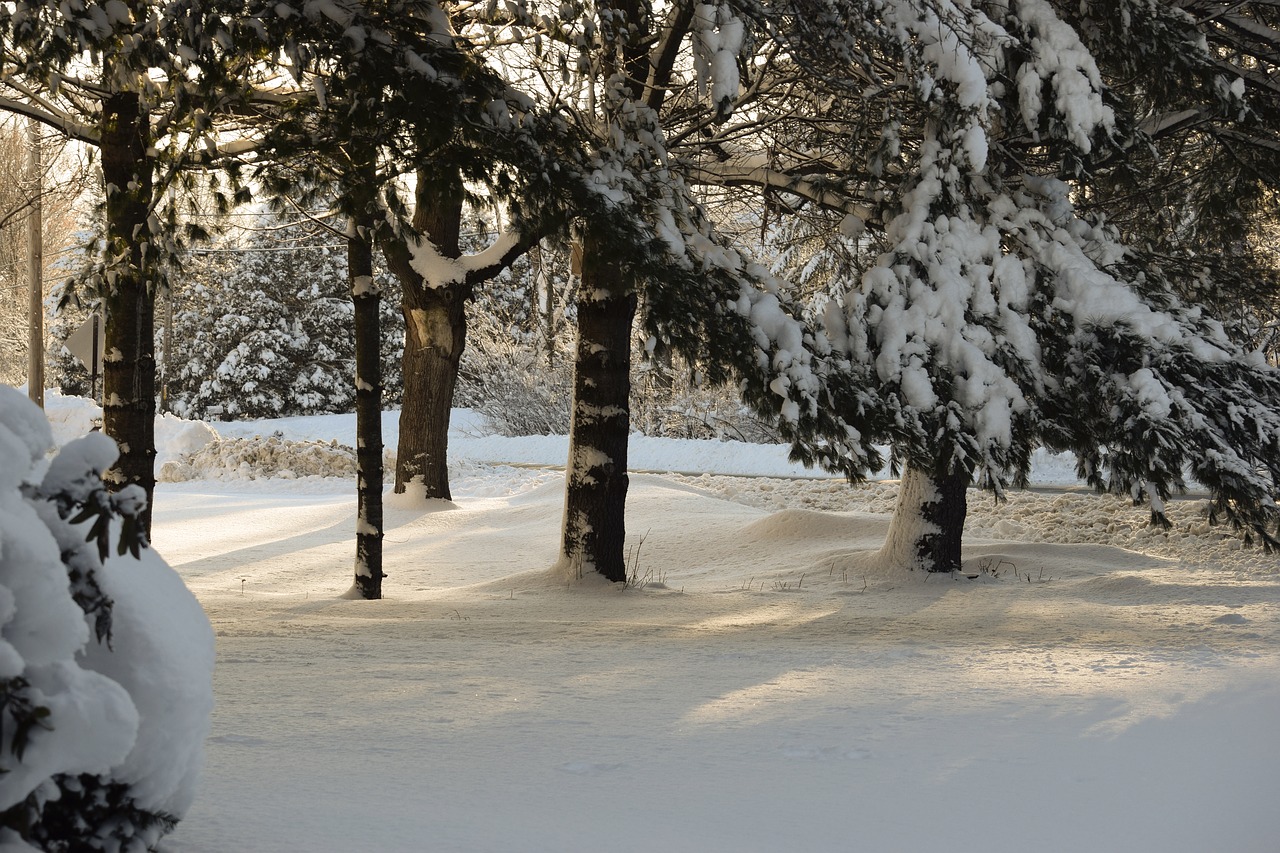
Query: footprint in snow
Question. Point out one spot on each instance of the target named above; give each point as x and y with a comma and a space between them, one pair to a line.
238, 740
813, 753
589, 768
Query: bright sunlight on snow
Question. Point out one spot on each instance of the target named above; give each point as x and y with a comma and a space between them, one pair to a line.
760, 686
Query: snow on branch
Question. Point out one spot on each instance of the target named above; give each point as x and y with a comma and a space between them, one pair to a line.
438, 270
60, 121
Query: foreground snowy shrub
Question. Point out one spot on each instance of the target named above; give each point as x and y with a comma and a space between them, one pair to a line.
106, 658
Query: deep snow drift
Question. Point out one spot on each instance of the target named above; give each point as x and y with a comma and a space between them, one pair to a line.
1099, 687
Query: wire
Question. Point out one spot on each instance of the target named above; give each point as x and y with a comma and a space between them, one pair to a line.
265, 249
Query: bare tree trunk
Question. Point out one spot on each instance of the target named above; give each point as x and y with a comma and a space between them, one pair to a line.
594, 529
435, 337
928, 522
368, 337
129, 368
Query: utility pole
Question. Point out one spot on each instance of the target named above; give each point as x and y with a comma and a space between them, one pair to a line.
35, 269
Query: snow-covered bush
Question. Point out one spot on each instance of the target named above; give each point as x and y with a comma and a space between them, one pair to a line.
105, 657
259, 457
517, 368
674, 401
517, 371
515, 388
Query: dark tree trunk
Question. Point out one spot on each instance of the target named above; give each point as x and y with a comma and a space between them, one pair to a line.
595, 502
129, 368
368, 338
435, 336
928, 522
596, 477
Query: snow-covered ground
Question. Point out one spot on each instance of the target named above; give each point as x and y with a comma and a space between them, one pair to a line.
763, 687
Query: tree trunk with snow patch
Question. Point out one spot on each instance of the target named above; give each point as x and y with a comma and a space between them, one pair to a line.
364, 295
129, 367
928, 522
596, 478
435, 337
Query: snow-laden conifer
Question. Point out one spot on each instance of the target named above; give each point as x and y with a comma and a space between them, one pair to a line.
262, 327
1000, 318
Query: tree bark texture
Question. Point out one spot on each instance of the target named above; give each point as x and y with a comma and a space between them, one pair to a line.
368, 336
928, 522
129, 367
594, 530
435, 337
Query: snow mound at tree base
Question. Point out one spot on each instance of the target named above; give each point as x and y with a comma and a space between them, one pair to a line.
1057, 516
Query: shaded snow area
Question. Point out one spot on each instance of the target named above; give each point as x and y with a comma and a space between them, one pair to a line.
763, 686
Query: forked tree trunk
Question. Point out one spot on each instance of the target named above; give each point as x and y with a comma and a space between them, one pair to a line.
129, 367
435, 336
596, 478
364, 294
928, 522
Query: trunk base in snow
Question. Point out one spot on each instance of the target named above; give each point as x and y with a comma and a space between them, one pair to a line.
368, 339
435, 335
596, 477
928, 523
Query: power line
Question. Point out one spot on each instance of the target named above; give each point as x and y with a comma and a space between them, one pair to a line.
265, 249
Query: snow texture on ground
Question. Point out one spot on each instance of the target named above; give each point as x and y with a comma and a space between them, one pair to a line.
763, 686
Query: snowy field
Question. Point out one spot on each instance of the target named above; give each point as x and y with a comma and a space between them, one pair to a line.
764, 686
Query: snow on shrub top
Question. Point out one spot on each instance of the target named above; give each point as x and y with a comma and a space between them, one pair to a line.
85, 722
123, 710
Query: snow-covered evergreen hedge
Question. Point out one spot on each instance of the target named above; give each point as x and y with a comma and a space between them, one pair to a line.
106, 658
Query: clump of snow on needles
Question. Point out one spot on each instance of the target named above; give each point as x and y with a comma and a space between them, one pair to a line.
41, 630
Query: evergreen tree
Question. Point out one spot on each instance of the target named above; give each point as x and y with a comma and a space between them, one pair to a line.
1000, 318
141, 82
377, 90
437, 283
642, 234
263, 325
